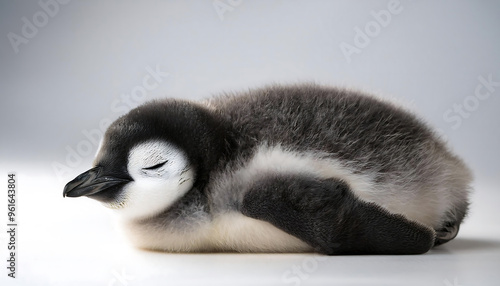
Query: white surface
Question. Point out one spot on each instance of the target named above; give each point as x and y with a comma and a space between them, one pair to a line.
73, 242
76, 72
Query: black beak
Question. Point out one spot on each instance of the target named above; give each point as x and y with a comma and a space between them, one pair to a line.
90, 183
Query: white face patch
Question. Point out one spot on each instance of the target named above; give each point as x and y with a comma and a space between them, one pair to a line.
161, 175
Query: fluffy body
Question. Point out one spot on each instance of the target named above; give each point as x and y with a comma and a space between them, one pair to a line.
383, 153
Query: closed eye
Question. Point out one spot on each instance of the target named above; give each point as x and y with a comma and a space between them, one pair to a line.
155, 166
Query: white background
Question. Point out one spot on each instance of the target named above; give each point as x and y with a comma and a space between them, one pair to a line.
78, 65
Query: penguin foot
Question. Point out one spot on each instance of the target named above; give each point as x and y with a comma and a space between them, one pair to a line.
447, 233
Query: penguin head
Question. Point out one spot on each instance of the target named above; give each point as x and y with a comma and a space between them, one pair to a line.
151, 157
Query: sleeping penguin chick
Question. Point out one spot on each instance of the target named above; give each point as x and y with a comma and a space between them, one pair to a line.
280, 169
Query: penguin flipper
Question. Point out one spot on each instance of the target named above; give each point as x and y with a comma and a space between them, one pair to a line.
328, 216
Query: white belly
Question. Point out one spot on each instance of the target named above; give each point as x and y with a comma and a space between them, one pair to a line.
236, 232
226, 232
